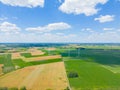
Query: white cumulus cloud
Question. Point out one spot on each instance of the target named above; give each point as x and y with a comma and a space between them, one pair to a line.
24, 3
9, 27
50, 27
87, 30
87, 7
106, 18
108, 29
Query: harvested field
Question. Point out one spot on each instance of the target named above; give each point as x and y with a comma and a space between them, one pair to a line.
43, 58
35, 51
41, 77
16, 55
51, 49
1, 65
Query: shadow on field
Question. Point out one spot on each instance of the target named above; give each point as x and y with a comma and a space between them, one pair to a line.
106, 57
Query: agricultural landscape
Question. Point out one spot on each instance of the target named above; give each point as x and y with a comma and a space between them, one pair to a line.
59, 44
60, 67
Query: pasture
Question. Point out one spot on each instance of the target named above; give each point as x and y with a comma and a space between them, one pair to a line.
41, 77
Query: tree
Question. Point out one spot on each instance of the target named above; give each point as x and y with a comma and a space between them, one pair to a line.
23, 88
73, 75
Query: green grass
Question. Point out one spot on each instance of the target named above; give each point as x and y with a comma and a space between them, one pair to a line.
7, 62
113, 68
28, 55
21, 63
91, 75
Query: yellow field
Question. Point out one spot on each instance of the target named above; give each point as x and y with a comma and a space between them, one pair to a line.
51, 49
43, 58
35, 51
41, 77
16, 55
1, 68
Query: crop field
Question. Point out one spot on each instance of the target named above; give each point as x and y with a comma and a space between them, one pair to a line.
7, 62
29, 55
1, 65
35, 51
43, 58
16, 55
21, 64
96, 69
41, 77
81, 68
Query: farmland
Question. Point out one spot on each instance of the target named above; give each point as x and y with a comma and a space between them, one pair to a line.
75, 67
96, 68
1, 65
7, 63
43, 58
41, 77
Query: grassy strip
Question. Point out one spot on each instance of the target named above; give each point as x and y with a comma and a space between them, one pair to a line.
7, 62
22, 64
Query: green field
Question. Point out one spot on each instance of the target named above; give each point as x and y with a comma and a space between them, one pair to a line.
28, 55
7, 62
96, 69
11, 65
21, 64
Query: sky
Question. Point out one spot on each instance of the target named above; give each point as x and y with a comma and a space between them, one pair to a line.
76, 21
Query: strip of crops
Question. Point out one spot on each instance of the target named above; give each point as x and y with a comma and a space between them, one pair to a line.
20, 63
7, 62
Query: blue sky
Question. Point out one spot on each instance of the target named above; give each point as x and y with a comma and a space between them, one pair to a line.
84, 21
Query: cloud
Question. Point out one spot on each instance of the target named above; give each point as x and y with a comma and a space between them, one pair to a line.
108, 29
24, 3
87, 30
106, 18
87, 7
50, 27
9, 27
60, 1
3, 18
32, 37
118, 30
110, 36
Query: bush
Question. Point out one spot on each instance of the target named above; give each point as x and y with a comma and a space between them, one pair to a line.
73, 75
67, 88
23, 88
